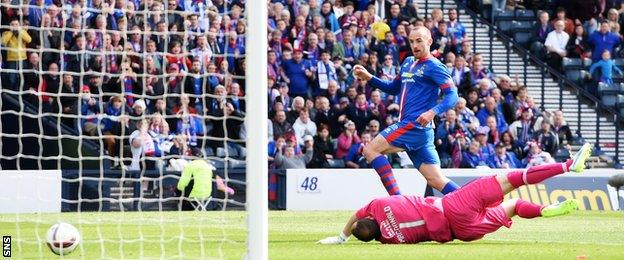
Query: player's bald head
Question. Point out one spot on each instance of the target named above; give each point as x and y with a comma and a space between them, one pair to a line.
366, 229
421, 31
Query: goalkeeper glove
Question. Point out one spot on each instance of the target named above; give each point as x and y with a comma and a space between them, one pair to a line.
334, 240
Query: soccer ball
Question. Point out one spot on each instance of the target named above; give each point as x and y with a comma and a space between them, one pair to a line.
62, 238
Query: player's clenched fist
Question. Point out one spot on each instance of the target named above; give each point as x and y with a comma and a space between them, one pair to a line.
360, 72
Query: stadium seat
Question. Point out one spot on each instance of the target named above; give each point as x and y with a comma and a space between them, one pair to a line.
617, 78
587, 62
620, 64
525, 15
575, 75
208, 128
609, 93
572, 64
578, 139
336, 163
620, 104
220, 152
522, 37
127, 151
486, 12
237, 164
562, 155
505, 16
219, 164
591, 87
232, 152
505, 26
519, 26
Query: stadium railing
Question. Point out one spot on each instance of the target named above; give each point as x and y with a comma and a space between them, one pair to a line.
562, 80
21, 155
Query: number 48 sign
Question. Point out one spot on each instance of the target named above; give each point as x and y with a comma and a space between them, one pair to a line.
308, 184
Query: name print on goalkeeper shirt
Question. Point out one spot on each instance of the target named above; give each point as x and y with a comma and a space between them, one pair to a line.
389, 226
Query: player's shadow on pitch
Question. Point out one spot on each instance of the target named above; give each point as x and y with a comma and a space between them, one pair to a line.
452, 244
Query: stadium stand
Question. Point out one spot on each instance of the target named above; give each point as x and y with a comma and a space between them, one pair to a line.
313, 46
497, 57
99, 68
585, 116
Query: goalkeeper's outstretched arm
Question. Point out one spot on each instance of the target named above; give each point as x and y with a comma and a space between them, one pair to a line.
343, 236
346, 231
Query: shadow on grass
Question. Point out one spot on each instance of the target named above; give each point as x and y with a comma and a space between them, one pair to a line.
451, 244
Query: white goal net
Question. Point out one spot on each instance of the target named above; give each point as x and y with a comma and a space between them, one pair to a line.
104, 103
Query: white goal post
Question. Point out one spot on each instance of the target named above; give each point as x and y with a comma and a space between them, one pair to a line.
256, 122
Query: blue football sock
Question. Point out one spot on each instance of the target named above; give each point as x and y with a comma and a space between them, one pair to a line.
449, 187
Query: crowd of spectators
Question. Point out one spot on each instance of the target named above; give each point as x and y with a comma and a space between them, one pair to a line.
167, 78
316, 103
155, 76
591, 30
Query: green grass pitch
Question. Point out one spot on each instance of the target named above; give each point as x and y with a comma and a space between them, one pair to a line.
179, 235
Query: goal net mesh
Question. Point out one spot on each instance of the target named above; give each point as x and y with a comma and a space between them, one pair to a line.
116, 98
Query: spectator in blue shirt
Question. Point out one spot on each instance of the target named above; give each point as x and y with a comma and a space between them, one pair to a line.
607, 66
235, 50
408, 9
482, 136
114, 124
456, 30
503, 159
473, 157
355, 158
194, 84
276, 146
386, 47
603, 40
113, 110
298, 73
490, 110
361, 5
548, 139
395, 18
331, 22
89, 110
35, 12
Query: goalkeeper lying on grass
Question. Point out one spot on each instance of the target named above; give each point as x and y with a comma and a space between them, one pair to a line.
466, 214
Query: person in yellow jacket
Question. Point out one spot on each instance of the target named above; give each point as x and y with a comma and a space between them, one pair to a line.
15, 40
201, 173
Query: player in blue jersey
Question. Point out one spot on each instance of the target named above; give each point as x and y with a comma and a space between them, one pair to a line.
417, 86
